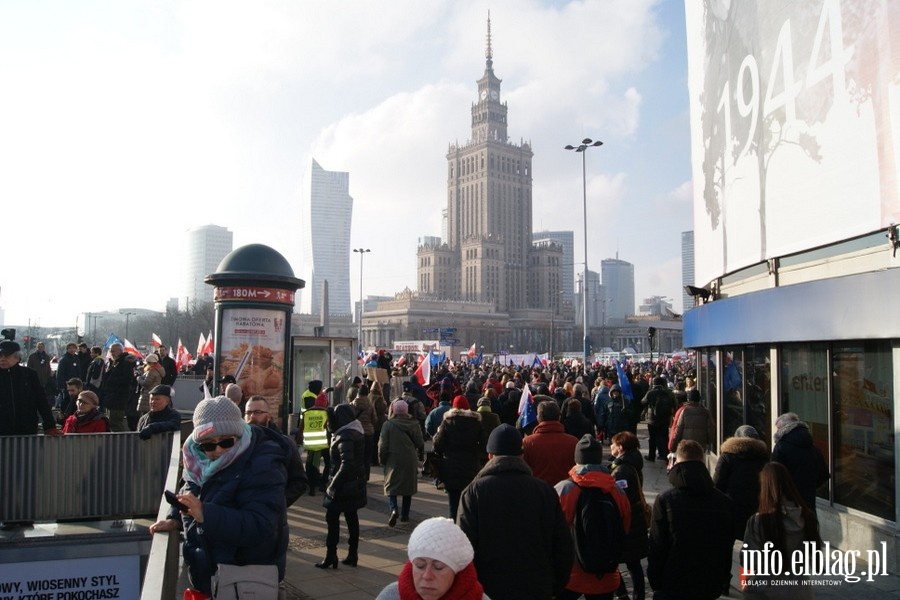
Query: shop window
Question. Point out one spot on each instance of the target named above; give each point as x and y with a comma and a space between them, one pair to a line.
708, 390
732, 391
804, 390
863, 417
747, 398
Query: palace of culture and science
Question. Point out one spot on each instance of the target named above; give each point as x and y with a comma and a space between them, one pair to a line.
485, 278
489, 280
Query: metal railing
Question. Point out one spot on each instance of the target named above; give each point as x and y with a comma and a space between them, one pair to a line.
100, 476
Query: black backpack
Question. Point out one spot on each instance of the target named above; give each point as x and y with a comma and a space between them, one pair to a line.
598, 532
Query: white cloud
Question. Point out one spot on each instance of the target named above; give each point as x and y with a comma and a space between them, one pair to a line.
126, 124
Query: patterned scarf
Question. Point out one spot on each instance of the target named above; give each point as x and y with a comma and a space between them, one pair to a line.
465, 585
198, 468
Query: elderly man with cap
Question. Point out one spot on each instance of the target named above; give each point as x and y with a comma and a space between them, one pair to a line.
440, 565
233, 494
22, 399
162, 417
523, 548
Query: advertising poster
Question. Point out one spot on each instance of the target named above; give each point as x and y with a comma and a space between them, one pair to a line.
252, 350
794, 112
73, 579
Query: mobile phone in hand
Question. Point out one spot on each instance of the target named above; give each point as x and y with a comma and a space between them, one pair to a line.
173, 500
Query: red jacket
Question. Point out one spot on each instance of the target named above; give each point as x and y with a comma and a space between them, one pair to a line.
550, 451
569, 491
93, 423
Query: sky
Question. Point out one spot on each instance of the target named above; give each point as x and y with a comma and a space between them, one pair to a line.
123, 123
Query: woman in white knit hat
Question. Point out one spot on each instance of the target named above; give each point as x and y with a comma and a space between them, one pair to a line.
440, 566
233, 496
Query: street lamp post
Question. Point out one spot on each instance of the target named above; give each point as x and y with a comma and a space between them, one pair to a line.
128, 315
582, 147
93, 319
362, 252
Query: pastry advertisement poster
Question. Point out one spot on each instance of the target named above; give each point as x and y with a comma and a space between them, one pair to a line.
252, 349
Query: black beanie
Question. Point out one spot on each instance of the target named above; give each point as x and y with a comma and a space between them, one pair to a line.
505, 440
588, 451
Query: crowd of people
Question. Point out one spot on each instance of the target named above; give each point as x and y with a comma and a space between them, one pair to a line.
535, 462
516, 448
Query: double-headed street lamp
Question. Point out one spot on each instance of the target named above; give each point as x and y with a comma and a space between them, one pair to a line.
362, 252
128, 314
582, 147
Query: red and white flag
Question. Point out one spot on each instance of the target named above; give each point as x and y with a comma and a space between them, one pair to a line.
182, 356
423, 371
471, 351
130, 349
201, 344
208, 348
155, 340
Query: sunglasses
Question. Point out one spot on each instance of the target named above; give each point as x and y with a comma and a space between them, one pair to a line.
210, 446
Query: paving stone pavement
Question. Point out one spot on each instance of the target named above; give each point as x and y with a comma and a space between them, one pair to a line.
382, 550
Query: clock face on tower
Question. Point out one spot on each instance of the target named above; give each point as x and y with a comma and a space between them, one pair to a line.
483, 94
494, 94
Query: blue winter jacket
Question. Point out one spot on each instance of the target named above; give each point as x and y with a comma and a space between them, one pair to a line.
245, 519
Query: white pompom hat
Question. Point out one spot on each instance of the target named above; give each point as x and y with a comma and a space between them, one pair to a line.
440, 539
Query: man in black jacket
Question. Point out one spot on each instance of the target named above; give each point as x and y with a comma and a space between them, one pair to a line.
67, 368
168, 364
22, 399
117, 391
660, 405
691, 533
523, 548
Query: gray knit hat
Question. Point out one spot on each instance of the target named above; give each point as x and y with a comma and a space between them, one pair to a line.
441, 539
217, 417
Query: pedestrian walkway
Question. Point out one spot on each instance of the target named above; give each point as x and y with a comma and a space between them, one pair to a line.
382, 550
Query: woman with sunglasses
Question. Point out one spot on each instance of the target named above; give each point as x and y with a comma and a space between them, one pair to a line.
233, 495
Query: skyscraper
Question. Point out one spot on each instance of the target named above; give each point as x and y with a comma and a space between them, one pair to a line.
687, 268
596, 300
205, 247
487, 251
325, 226
618, 284
567, 275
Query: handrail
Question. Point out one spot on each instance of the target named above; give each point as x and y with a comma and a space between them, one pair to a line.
161, 574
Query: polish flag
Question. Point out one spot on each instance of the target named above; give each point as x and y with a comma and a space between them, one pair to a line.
182, 356
400, 361
471, 352
201, 344
130, 349
423, 372
208, 347
155, 340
